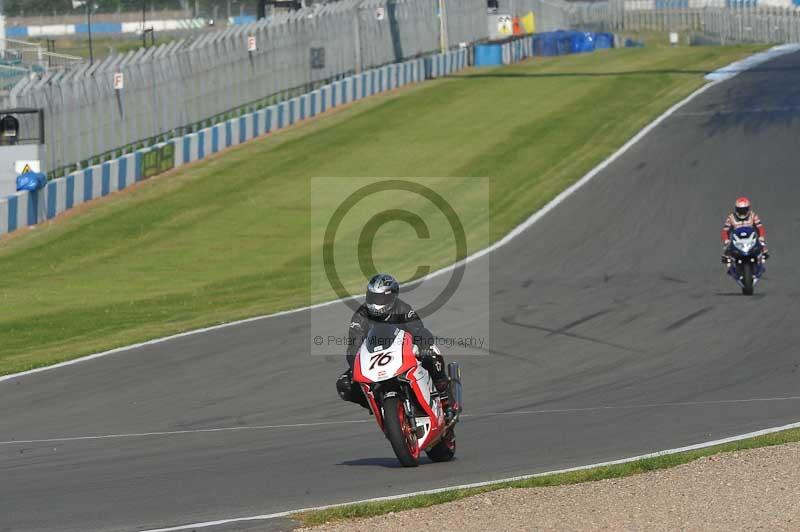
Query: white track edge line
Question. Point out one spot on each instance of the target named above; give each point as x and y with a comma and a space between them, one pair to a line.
478, 415
657, 454
535, 217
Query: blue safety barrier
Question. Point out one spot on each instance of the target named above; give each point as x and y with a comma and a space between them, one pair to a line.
549, 44
672, 4
488, 54
31, 181
16, 31
582, 42
100, 27
603, 40
242, 19
562, 42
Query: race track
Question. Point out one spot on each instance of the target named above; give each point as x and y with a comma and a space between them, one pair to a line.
614, 333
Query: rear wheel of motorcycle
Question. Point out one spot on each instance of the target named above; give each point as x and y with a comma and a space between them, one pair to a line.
444, 450
400, 432
747, 279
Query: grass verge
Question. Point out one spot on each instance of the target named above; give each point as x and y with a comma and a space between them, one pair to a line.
371, 509
229, 238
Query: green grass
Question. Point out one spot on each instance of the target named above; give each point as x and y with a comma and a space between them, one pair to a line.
587, 475
230, 237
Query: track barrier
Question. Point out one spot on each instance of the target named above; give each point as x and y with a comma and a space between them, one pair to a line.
27, 208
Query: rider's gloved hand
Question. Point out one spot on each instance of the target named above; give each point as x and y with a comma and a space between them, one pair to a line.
344, 385
425, 352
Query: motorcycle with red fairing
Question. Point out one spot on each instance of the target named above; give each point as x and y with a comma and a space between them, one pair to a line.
402, 397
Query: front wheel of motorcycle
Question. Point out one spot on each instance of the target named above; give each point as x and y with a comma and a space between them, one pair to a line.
747, 279
400, 432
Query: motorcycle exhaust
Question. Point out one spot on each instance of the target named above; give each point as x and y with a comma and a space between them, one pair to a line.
454, 374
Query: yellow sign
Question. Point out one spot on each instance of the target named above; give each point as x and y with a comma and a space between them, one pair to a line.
528, 23
26, 168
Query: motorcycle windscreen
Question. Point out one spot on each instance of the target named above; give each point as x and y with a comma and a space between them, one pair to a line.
381, 336
744, 240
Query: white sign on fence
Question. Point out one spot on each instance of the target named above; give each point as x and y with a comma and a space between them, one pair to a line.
251, 43
500, 26
380, 13
21, 167
673, 38
119, 81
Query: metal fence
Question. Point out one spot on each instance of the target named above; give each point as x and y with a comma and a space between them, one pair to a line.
192, 83
768, 25
737, 23
180, 86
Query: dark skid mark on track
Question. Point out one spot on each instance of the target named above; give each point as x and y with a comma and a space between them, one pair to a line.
686, 319
673, 279
581, 321
509, 321
633, 317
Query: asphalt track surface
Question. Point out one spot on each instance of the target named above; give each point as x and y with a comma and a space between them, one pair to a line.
614, 333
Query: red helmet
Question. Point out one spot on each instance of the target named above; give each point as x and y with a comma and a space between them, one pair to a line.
742, 208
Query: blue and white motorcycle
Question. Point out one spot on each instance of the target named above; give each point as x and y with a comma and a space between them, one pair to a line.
745, 258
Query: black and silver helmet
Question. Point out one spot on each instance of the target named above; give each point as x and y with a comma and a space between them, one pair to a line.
382, 292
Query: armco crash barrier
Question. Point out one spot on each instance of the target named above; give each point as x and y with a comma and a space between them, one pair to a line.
30, 208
